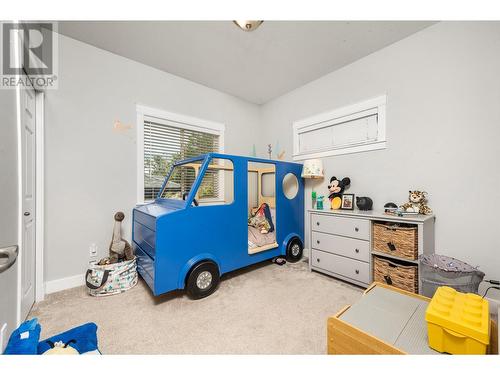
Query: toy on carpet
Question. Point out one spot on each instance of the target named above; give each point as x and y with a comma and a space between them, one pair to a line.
336, 189
60, 348
280, 261
81, 339
78, 340
417, 203
116, 273
119, 249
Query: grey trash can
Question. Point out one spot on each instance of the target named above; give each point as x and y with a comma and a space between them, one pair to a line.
440, 270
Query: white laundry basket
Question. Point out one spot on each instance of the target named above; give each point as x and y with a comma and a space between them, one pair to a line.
112, 278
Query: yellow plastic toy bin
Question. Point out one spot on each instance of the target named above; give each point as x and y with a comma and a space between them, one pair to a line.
458, 323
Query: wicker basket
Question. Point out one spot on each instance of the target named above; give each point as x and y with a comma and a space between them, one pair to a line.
399, 241
398, 275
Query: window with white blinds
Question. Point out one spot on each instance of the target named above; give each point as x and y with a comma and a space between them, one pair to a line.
167, 142
357, 128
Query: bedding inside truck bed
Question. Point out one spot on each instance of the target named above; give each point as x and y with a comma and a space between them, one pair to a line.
257, 239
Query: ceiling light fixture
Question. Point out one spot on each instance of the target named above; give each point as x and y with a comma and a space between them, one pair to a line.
248, 25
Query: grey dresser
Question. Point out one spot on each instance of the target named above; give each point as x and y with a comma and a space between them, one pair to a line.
341, 242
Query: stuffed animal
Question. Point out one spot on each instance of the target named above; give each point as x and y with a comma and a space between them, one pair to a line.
119, 248
336, 189
59, 348
337, 186
417, 203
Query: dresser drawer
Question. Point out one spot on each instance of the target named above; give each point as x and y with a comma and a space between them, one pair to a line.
344, 226
353, 269
348, 247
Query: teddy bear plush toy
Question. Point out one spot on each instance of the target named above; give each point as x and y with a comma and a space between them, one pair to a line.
336, 188
417, 203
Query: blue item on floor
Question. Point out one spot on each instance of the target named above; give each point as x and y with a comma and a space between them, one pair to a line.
85, 337
24, 340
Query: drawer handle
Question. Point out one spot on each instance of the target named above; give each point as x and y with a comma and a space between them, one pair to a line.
317, 223
357, 251
356, 229
388, 280
318, 260
317, 241
391, 246
357, 272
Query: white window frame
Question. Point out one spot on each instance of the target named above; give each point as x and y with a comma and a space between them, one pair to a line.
183, 121
349, 113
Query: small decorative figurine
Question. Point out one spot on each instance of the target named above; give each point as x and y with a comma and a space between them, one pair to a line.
417, 203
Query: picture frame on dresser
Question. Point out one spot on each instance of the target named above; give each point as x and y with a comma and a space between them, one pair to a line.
347, 202
341, 243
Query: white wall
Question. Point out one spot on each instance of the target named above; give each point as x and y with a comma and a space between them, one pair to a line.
90, 169
443, 129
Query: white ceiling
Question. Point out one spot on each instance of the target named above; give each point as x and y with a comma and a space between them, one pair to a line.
255, 66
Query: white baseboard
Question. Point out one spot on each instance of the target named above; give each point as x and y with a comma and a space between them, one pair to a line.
65, 283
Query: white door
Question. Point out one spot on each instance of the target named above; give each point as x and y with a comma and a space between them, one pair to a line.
9, 211
27, 253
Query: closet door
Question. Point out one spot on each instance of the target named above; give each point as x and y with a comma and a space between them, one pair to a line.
27, 253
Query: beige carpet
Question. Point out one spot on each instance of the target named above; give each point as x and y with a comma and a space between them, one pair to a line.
264, 309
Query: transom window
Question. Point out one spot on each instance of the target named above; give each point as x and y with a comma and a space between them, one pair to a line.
355, 128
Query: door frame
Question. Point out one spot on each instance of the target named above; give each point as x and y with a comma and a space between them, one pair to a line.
39, 197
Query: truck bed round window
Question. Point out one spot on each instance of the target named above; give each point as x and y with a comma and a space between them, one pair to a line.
290, 186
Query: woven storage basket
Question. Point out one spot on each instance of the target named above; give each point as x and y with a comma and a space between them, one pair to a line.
398, 275
396, 240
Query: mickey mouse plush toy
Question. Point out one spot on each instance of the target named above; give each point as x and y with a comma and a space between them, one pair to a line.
336, 189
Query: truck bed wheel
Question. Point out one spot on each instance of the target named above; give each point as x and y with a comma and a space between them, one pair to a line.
294, 250
202, 281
